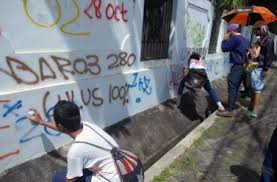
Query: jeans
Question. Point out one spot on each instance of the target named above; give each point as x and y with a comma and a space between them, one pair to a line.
257, 81
207, 86
60, 176
234, 80
269, 167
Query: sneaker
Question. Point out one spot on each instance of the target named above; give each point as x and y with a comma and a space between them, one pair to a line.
220, 110
225, 113
252, 114
220, 107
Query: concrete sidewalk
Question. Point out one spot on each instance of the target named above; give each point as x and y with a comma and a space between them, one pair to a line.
232, 149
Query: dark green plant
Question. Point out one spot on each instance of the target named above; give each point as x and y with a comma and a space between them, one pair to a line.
230, 4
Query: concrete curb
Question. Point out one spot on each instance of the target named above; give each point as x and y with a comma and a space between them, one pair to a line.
178, 149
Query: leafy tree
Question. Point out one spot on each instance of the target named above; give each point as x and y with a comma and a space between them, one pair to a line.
230, 4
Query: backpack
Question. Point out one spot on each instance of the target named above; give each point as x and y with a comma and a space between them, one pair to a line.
195, 79
129, 167
252, 58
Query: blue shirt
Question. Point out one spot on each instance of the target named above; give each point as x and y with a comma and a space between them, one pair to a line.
236, 45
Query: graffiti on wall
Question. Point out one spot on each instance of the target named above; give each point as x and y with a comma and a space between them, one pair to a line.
29, 73
57, 19
217, 67
5, 127
119, 93
175, 75
142, 84
116, 12
196, 31
95, 10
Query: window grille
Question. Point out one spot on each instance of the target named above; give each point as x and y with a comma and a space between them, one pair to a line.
156, 29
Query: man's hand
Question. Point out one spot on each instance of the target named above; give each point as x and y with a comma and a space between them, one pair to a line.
185, 71
227, 36
35, 117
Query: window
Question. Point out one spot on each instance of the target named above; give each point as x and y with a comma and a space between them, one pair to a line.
156, 29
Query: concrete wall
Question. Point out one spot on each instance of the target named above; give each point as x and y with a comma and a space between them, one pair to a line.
90, 54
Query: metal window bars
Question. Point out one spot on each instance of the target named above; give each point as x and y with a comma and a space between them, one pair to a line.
156, 29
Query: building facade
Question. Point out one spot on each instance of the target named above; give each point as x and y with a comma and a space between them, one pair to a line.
114, 58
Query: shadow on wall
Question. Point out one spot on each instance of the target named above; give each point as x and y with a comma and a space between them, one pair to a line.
48, 146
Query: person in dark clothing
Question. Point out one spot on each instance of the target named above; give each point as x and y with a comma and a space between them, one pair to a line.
197, 64
237, 45
266, 42
269, 168
266, 56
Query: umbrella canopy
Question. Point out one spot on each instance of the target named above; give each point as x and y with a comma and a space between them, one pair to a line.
249, 15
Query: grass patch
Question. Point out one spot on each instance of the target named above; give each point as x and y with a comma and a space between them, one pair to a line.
220, 119
199, 142
208, 133
185, 162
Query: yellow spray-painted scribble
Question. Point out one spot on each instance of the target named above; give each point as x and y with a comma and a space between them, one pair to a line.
56, 21
71, 21
25, 4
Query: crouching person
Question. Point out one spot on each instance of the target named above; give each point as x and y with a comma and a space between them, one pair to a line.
91, 156
196, 78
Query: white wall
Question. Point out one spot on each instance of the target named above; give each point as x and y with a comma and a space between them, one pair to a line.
52, 51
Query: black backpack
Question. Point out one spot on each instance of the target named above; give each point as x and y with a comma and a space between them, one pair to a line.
195, 79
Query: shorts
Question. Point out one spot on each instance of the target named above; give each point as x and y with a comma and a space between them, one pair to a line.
257, 81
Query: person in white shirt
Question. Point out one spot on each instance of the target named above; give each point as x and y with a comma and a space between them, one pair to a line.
85, 163
197, 64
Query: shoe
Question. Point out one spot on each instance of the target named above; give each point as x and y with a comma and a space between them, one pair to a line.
220, 107
220, 110
252, 114
225, 113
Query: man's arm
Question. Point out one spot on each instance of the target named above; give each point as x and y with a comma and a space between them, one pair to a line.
36, 118
228, 45
185, 71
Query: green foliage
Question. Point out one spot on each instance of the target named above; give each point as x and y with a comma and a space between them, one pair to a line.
230, 4
185, 162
